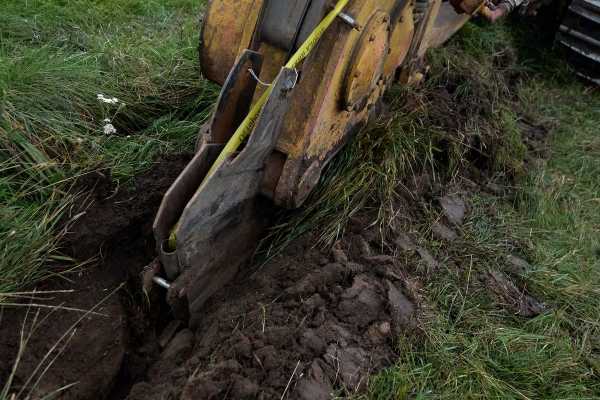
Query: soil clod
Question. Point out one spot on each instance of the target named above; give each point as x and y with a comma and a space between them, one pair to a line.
513, 298
443, 232
454, 208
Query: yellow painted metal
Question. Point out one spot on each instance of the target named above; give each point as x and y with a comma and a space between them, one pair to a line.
247, 125
245, 128
319, 121
400, 39
227, 30
366, 64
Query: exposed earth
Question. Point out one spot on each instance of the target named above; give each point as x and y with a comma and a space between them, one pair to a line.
307, 324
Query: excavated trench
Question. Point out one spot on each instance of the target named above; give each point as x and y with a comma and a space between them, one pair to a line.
308, 323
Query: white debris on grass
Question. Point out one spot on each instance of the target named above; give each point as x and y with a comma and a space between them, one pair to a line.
109, 129
106, 99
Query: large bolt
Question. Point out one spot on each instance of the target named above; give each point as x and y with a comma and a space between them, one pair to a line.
348, 19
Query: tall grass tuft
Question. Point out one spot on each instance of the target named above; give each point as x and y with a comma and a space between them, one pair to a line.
462, 116
56, 58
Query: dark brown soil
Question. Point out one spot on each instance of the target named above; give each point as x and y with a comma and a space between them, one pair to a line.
308, 324
314, 322
92, 349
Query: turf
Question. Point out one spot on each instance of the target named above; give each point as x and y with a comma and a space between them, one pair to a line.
471, 346
56, 57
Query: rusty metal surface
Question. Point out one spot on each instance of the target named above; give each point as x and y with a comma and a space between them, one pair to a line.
367, 61
232, 106
227, 30
176, 199
341, 82
325, 111
221, 223
320, 125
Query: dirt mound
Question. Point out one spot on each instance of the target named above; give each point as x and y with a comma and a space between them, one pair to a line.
80, 348
308, 324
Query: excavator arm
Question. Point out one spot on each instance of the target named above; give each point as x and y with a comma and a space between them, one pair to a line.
298, 79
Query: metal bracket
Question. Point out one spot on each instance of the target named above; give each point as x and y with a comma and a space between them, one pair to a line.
221, 223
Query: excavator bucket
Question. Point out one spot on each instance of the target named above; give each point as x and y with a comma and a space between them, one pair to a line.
221, 215
212, 217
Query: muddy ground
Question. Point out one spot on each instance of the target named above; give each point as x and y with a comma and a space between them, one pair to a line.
93, 347
308, 324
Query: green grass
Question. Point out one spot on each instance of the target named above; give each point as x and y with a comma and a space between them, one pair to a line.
482, 90
55, 58
472, 348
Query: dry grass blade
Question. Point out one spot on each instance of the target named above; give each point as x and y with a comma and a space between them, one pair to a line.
59, 307
56, 350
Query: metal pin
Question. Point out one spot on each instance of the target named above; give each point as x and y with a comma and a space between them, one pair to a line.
349, 19
161, 282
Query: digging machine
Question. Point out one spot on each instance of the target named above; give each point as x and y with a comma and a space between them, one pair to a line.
298, 78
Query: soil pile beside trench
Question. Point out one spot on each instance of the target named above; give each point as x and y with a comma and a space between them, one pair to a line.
75, 350
307, 325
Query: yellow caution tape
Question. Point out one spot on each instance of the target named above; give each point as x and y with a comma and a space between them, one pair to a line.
245, 128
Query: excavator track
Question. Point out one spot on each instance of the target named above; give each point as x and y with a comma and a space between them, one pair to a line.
579, 36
